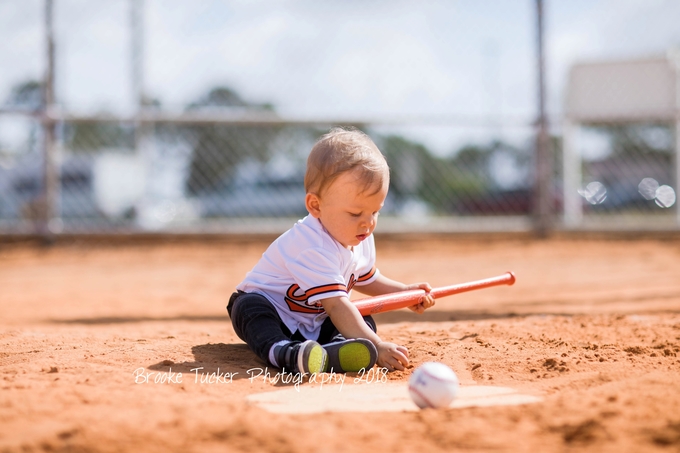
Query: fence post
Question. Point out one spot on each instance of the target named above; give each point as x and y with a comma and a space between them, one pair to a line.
141, 128
571, 169
675, 60
48, 223
543, 201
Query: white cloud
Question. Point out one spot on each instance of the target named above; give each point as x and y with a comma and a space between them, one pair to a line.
21, 48
352, 57
93, 69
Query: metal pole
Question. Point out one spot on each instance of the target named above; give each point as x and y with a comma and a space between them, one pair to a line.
137, 56
677, 144
141, 129
137, 51
543, 204
674, 57
48, 223
571, 171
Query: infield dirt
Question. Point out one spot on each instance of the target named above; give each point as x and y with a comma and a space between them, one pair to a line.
93, 337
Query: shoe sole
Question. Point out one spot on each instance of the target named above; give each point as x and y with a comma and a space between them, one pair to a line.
350, 355
312, 358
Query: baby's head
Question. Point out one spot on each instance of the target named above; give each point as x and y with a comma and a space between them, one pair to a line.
341, 151
346, 182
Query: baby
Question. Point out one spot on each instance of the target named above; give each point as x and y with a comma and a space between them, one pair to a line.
293, 308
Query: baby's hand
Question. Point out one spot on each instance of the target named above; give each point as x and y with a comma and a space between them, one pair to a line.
426, 301
392, 356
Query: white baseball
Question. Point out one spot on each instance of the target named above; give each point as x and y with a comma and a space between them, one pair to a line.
433, 384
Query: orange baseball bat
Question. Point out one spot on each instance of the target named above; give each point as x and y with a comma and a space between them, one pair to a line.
402, 299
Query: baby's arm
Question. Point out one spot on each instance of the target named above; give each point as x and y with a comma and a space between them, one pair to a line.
383, 285
350, 324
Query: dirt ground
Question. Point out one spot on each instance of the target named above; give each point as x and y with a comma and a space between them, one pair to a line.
93, 336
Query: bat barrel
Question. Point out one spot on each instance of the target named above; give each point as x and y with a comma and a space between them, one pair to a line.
506, 279
394, 301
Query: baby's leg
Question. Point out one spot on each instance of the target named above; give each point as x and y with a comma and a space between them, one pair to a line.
256, 322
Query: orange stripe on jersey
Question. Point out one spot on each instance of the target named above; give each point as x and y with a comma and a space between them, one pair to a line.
298, 300
290, 294
325, 289
368, 275
293, 292
301, 308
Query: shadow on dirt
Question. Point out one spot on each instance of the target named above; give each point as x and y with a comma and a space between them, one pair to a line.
223, 363
404, 315
220, 363
134, 319
394, 317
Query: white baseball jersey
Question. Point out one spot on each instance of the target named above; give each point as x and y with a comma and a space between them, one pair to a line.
304, 266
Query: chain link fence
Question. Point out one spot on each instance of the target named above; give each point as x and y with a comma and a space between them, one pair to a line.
218, 176
630, 179
223, 164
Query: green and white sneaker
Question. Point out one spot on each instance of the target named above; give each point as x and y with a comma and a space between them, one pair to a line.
350, 355
308, 357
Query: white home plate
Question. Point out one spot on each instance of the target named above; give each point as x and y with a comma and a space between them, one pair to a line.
383, 397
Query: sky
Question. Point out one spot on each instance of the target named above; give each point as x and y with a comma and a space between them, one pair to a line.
468, 59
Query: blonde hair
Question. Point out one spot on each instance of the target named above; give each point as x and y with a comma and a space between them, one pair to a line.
342, 150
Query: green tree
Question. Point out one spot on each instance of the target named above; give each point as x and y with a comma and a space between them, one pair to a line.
219, 148
86, 137
444, 183
26, 94
648, 140
416, 172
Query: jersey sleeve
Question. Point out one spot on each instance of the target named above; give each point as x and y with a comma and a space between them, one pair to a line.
368, 276
367, 271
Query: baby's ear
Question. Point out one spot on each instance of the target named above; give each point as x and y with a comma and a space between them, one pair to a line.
313, 205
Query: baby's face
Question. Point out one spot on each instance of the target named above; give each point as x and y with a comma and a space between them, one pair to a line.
347, 211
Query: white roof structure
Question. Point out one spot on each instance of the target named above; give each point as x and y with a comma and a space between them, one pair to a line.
640, 90
622, 91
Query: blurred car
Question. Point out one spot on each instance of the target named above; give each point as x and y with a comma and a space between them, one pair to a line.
22, 191
622, 196
267, 197
504, 202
